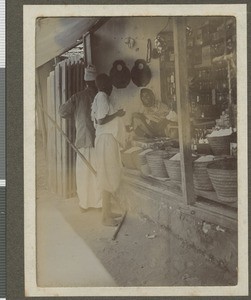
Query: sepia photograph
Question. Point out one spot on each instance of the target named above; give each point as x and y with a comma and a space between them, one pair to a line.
135, 150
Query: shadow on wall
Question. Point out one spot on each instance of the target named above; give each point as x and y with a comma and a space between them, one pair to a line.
110, 43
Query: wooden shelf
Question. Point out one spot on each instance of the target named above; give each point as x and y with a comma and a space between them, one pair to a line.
211, 195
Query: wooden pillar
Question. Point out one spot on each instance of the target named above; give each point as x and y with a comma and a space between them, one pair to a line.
64, 128
179, 31
87, 49
41, 119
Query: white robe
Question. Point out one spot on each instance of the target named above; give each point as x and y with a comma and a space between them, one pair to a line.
87, 188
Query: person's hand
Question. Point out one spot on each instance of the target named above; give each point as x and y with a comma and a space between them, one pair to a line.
120, 113
129, 128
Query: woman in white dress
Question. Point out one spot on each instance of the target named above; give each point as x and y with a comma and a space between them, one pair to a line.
110, 137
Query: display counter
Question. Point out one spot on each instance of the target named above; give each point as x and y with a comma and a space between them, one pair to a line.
153, 183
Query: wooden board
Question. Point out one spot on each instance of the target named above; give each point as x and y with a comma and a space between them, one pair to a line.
70, 122
87, 49
64, 128
179, 28
52, 145
59, 136
50, 134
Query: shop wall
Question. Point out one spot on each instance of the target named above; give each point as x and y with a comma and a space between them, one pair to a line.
108, 45
43, 72
216, 242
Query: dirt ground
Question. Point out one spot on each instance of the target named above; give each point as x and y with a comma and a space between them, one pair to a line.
143, 254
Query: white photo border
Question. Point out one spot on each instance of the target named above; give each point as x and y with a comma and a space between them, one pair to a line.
30, 13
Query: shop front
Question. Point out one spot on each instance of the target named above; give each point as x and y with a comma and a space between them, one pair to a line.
185, 176
176, 79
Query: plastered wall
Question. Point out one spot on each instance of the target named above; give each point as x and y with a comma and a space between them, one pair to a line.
109, 45
215, 242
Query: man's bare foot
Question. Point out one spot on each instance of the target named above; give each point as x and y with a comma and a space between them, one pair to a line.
110, 222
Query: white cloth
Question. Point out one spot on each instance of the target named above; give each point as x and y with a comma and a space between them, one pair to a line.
90, 73
154, 113
109, 137
87, 187
172, 116
109, 165
100, 108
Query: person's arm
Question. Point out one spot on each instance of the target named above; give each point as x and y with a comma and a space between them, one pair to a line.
109, 118
140, 116
67, 109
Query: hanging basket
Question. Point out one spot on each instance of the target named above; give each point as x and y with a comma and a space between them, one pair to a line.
220, 145
155, 161
120, 75
141, 73
223, 175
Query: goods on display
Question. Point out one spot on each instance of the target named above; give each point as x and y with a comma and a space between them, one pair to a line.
141, 73
120, 75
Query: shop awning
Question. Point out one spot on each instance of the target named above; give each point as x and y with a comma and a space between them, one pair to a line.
54, 36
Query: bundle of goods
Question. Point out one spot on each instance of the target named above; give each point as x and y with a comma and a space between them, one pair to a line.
224, 121
223, 175
155, 160
128, 157
200, 175
173, 167
154, 143
219, 141
171, 150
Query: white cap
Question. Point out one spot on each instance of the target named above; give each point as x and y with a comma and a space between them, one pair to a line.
90, 73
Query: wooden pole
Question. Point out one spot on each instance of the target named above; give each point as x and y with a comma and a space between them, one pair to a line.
64, 125
87, 49
71, 144
53, 112
119, 226
59, 136
40, 113
179, 30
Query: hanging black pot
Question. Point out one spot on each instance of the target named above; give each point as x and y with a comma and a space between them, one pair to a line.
120, 75
141, 73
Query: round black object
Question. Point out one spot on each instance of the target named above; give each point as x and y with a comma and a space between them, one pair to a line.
120, 75
141, 73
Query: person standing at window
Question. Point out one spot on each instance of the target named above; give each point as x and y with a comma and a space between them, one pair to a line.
110, 137
79, 107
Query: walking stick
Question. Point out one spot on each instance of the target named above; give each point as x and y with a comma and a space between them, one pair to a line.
119, 226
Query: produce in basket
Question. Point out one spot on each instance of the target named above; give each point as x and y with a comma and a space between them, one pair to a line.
156, 163
219, 141
173, 167
223, 175
200, 175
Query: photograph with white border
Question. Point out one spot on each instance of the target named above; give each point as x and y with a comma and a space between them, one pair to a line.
135, 150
